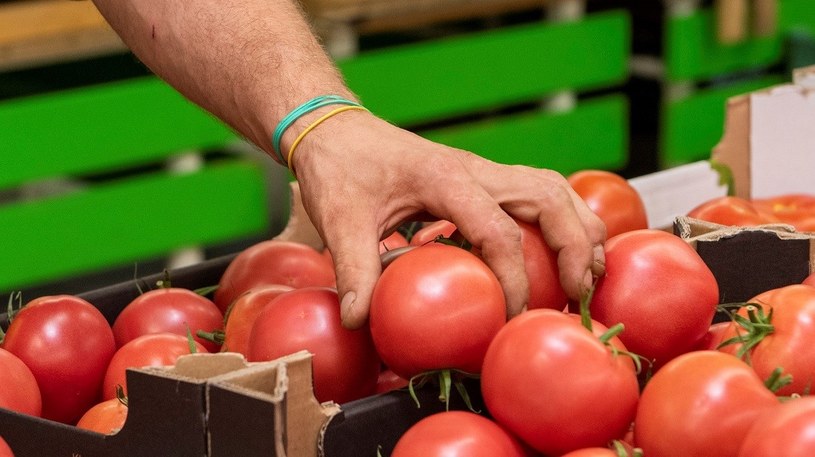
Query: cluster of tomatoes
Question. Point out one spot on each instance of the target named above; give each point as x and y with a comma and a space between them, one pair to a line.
634, 368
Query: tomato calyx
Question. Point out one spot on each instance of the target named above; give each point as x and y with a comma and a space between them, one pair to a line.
447, 381
756, 326
777, 380
619, 448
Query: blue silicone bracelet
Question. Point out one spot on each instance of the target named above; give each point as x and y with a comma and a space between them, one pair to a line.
307, 107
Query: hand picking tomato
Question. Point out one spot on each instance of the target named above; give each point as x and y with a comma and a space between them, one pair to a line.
612, 199
67, 344
550, 381
782, 430
171, 309
241, 315
106, 417
457, 434
659, 288
274, 262
788, 344
151, 350
700, 404
732, 211
436, 307
345, 362
19, 390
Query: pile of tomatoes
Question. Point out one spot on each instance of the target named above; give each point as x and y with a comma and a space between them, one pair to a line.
633, 368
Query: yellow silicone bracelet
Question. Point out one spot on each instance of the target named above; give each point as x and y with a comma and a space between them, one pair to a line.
313, 126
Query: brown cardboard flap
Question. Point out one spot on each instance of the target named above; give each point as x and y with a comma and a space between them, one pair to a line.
286, 419
201, 366
747, 261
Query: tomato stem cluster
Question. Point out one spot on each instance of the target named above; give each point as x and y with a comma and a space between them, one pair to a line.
446, 382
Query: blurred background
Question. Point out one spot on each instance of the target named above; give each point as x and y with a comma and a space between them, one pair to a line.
107, 174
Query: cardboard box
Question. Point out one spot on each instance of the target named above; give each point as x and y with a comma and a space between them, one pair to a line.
747, 261
768, 143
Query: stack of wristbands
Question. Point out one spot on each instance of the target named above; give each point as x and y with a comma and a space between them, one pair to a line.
305, 108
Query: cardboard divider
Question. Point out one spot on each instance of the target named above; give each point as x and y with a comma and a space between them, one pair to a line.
166, 416
749, 260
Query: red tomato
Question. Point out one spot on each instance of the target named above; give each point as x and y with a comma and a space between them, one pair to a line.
542, 271
392, 241
728, 210
714, 336
388, 380
106, 417
809, 280
699, 404
790, 344
274, 262
436, 307
151, 350
797, 210
5, 450
548, 380
241, 315
19, 391
173, 310
612, 199
592, 452
659, 288
430, 232
457, 434
67, 344
783, 430
345, 362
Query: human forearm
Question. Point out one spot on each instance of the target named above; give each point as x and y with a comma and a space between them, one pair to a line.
248, 62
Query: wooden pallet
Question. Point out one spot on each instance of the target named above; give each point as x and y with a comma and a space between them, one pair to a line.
42, 32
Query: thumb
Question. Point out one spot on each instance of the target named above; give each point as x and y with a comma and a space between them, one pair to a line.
357, 265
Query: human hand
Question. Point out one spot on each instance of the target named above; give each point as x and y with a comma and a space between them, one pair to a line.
361, 177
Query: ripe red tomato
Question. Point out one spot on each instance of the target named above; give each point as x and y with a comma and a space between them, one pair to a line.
430, 232
241, 315
551, 382
5, 450
714, 336
67, 344
106, 417
436, 307
790, 344
592, 452
345, 362
728, 210
457, 434
612, 199
274, 262
809, 280
797, 210
173, 310
699, 404
782, 430
659, 288
542, 271
388, 380
19, 391
151, 350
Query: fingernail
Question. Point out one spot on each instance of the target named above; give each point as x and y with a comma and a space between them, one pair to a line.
598, 266
347, 304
